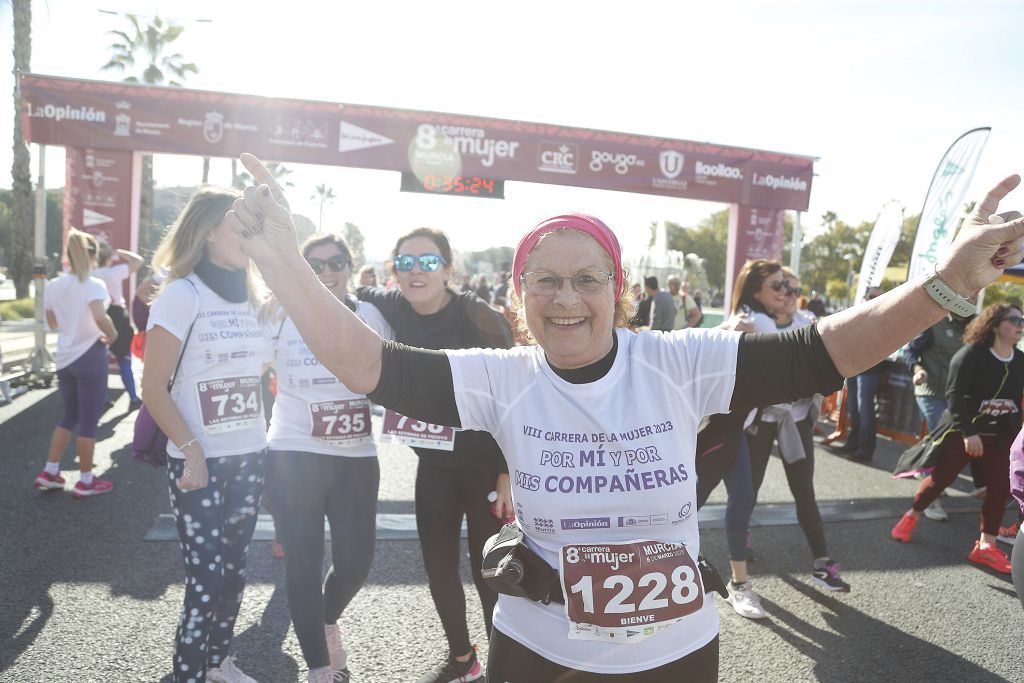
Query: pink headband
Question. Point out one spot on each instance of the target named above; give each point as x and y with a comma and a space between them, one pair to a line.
573, 221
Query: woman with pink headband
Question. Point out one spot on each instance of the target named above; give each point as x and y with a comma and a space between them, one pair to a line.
599, 573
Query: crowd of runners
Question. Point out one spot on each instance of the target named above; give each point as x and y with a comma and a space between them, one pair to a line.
536, 415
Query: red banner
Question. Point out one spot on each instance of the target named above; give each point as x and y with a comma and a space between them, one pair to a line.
121, 116
754, 233
98, 194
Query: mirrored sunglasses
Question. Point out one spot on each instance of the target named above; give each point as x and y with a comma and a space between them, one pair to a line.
335, 263
428, 262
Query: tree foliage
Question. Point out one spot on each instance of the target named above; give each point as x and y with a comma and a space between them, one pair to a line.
21, 181
354, 237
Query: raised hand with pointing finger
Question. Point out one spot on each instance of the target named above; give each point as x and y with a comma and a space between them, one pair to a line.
262, 215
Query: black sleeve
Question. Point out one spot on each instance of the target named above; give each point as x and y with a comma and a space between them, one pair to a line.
778, 368
387, 301
492, 328
417, 383
962, 406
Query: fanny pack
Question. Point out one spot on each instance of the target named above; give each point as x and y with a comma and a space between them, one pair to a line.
511, 568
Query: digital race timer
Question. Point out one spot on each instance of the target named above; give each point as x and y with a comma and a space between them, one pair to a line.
460, 186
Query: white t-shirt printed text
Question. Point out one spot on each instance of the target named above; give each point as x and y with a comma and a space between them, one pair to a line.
604, 462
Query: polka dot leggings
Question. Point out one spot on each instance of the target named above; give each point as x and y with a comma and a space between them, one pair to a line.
215, 525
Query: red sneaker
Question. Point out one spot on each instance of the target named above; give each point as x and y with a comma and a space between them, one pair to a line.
49, 482
1008, 534
991, 557
97, 488
277, 550
904, 528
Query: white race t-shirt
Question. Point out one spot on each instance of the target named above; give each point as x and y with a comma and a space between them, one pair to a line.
312, 400
68, 298
217, 389
113, 276
605, 462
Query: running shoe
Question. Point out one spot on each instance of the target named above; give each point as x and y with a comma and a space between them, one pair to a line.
829, 578
335, 647
228, 672
1008, 534
328, 675
49, 482
935, 512
991, 557
454, 671
97, 488
745, 601
904, 528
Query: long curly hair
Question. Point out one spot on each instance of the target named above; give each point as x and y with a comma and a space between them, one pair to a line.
982, 330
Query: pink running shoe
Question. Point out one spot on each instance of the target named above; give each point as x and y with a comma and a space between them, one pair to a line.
49, 482
97, 488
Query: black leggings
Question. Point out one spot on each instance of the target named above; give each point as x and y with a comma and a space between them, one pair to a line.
512, 662
799, 474
306, 487
443, 495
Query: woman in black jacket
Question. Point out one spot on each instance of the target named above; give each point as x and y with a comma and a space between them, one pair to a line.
983, 397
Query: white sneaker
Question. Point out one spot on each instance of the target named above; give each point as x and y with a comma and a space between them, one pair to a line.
935, 512
328, 675
745, 601
227, 672
335, 647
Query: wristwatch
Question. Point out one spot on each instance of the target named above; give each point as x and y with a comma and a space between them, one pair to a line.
947, 297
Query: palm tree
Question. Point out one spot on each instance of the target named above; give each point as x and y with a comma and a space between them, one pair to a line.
22, 232
325, 194
277, 170
829, 218
146, 46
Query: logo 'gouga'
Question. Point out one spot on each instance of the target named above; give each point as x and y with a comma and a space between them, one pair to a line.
621, 161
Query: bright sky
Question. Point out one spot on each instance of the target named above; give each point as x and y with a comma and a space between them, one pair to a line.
877, 89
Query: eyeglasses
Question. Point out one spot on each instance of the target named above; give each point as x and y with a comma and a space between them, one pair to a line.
335, 263
584, 282
1014, 320
794, 291
428, 262
779, 285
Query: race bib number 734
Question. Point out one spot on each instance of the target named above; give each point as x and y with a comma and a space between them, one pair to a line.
627, 592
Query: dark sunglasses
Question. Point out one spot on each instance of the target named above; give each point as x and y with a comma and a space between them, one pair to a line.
779, 285
795, 291
335, 263
1014, 320
428, 262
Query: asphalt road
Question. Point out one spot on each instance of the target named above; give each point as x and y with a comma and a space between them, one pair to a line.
84, 598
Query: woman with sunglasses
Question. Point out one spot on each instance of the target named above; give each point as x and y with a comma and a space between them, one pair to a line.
204, 332
983, 398
75, 304
722, 453
600, 425
456, 480
323, 462
792, 425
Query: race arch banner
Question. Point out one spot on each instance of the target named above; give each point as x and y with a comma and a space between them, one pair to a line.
128, 117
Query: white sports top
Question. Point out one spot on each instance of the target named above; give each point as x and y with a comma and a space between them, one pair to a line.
69, 298
601, 489
304, 387
217, 390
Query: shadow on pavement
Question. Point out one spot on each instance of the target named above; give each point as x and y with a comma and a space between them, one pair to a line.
860, 647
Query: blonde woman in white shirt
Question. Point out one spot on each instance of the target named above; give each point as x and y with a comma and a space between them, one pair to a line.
213, 418
75, 305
